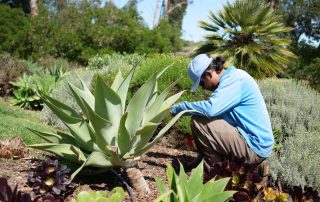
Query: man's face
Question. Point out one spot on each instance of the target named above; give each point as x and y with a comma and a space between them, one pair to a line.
209, 80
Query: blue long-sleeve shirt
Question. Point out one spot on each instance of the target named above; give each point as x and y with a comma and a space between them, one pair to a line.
238, 101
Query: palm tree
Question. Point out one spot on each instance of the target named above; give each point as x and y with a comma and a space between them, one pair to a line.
251, 35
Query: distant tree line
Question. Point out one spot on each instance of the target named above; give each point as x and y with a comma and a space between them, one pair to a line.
77, 30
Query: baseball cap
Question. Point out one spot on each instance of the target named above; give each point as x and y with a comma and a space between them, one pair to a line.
196, 68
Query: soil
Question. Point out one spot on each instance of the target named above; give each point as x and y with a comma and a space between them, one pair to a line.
171, 150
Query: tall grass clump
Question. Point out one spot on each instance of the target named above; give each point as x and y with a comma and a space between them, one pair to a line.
295, 113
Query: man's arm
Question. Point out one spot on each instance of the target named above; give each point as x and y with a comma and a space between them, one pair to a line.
225, 97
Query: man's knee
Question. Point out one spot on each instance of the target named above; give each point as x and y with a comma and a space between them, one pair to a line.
199, 120
195, 122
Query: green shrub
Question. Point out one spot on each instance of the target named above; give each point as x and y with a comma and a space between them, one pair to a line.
295, 112
62, 93
115, 60
290, 105
26, 89
48, 61
10, 70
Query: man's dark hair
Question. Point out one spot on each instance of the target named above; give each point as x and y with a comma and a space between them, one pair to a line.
217, 63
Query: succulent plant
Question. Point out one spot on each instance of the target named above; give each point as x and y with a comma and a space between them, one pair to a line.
11, 148
110, 133
49, 177
9, 195
306, 193
270, 194
182, 188
116, 195
244, 177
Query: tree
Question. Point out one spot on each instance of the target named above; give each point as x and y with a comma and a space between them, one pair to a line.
24, 4
249, 34
303, 16
175, 10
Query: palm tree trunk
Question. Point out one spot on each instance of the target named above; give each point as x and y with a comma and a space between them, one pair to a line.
137, 180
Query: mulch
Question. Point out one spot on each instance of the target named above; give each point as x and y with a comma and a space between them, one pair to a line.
170, 151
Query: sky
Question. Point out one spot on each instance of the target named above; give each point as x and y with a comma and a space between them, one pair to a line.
198, 10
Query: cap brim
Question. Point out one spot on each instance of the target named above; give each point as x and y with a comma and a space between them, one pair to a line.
195, 86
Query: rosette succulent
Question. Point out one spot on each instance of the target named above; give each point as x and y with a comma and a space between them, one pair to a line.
49, 177
9, 195
108, 133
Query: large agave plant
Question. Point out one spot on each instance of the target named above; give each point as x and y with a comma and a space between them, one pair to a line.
108, 133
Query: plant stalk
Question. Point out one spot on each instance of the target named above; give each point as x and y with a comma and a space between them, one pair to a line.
137, 180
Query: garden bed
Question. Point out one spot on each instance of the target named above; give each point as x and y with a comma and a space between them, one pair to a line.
154, 163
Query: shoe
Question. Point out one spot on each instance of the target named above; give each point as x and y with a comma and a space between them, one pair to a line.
195, 162
264, 172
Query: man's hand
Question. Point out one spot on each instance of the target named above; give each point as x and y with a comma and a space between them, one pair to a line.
173, 110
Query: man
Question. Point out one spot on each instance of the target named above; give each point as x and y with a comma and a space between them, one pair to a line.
234, 121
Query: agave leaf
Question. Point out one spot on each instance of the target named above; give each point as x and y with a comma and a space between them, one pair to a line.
102, 133
49, 137
223, 196
66, 151
194, 185
171, 175
220, 185
182, 178
124, 139
165, 106
62, 107
170, 101
211, 188
117, 81
108, 106
165, 69
95, 159
164, 196
137, 104
84, 93
153, 109
124, 86
181, 192
154, 94
66, 138
161, 133
144, 135
77, 126
160, 184
55, 138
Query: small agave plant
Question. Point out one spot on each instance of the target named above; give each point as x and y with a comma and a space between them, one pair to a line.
184, 188
108, 133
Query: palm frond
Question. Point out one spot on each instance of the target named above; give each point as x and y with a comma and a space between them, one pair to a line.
250, 34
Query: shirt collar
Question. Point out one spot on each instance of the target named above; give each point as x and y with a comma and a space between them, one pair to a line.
226, 71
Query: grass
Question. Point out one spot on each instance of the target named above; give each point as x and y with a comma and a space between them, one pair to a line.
14, 122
